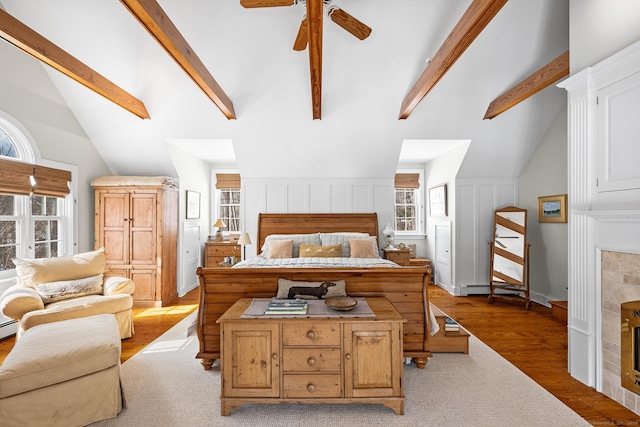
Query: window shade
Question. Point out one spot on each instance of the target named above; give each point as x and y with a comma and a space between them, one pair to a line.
15, 178
51, 182
227, 180
407, 180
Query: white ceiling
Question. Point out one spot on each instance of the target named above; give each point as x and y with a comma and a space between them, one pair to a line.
249, 52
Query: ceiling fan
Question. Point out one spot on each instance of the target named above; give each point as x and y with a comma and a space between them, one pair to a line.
337, 15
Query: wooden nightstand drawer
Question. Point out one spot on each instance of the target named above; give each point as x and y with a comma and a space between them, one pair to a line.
311, 359
312, 386
225, 249
324, 334
216, 252
399, 256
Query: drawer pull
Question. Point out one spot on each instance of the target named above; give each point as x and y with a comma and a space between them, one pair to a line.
347, 356
311, 335
274, 356
311, 361
311, 387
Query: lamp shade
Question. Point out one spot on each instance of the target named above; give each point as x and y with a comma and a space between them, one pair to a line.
219, 223
244, 239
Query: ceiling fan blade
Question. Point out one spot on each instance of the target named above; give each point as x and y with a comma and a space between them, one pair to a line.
266, 3
349, 23
303, 36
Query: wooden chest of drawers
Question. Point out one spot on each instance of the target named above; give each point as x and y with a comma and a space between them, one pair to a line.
312, 360
216, 252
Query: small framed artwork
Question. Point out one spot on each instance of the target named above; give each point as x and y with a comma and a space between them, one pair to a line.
552, 208
193, 204
438, 200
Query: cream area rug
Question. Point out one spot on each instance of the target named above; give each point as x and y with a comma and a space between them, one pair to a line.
165, 385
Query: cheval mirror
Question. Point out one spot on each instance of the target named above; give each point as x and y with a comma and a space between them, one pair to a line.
509, 258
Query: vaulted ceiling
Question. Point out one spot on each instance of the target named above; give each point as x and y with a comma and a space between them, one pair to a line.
226, 74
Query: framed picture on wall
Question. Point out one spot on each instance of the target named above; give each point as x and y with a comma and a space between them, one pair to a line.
438, 200
193, 204
552, 208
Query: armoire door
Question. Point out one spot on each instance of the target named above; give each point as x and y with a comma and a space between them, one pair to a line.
143, 228
112, 230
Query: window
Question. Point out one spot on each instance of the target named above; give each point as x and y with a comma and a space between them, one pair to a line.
407, 203
406, 210
230, 208
35, 206
228, 201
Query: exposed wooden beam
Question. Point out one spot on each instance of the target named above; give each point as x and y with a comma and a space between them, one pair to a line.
314, 19
18, 34
475, 19
152, 17
550, 73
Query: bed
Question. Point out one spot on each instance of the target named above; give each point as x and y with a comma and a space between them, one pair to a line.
405, 287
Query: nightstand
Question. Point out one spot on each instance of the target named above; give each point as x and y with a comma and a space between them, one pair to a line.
216, 252
399, 256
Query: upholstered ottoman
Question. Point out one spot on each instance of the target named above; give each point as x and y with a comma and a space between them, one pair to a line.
64, 373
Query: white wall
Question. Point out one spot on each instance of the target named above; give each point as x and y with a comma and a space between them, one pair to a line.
600, 28
30, 98
546, 175
476, 201
194, 176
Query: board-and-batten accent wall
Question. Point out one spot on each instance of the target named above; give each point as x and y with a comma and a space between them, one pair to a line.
476, 201
310, 195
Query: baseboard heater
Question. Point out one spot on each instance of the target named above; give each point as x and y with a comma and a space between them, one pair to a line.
8, 327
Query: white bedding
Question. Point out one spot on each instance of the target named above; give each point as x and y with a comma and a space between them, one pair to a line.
328, 262
317, 262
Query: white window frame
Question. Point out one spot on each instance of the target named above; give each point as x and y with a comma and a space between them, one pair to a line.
27, 151
420, 218
215, 202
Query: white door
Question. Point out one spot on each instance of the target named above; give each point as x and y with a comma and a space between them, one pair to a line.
192, 250
443, 255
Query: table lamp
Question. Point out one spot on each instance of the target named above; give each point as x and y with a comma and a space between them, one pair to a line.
244, 240
219, 224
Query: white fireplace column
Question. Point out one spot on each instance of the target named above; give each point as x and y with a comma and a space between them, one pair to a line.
581, 281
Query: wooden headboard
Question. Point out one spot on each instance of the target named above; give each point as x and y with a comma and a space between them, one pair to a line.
306, 223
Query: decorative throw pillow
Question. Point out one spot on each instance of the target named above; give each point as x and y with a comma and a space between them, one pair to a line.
45, 270
67, 289
341, 238
310, 290
307, 250
280, 249
313, 239
363, 248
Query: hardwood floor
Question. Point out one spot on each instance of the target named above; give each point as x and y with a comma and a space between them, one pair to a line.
532, 340
535, 343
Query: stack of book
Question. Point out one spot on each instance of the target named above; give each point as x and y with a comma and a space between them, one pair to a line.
451, 325
286, 306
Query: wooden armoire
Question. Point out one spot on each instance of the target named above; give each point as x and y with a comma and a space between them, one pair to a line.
136, 221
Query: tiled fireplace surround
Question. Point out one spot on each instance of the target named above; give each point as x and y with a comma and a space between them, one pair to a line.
620, 276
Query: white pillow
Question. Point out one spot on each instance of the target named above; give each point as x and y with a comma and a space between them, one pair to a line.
67, 289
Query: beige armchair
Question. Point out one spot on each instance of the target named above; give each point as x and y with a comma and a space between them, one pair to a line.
63, 288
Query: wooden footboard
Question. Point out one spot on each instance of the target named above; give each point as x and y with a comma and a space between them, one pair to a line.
405, 287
